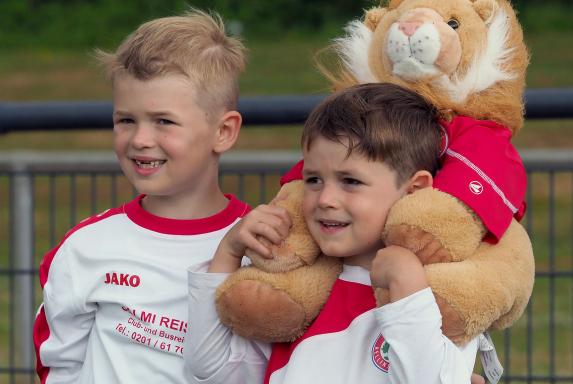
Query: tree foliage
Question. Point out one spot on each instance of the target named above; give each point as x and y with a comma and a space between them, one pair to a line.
104, 23
81, 23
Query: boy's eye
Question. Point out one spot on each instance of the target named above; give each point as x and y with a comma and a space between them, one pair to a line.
351, 181
312, 180
165, 122
124, 120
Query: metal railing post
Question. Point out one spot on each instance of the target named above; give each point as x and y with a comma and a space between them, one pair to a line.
23, 247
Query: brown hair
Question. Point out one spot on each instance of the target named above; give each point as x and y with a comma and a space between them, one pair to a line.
194, 45
383, 122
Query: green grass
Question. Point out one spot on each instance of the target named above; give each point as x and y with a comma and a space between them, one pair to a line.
551, 62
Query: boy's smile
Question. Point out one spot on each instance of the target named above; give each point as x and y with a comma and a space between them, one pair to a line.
146, 166
332, 226
346, 200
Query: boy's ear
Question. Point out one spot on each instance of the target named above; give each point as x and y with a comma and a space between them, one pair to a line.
421, 179
227, 131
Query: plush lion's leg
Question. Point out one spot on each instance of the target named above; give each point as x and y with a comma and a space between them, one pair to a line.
434, 225
275, 307
453, 326
489, 289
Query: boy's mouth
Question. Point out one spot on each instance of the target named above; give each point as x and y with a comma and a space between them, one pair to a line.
148, 164
330, 224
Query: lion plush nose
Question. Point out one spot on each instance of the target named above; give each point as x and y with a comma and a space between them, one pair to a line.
409, 27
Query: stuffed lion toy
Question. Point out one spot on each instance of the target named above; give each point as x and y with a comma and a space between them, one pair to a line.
468, 58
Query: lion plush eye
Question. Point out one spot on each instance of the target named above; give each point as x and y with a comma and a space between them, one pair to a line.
454, 24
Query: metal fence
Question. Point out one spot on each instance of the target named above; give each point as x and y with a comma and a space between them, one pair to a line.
42, 195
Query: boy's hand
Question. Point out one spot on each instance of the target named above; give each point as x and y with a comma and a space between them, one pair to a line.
267, 221
399, 270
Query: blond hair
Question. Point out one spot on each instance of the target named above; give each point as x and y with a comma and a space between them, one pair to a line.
194, 45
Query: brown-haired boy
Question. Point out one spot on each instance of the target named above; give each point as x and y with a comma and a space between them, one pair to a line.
363, 148
115, 289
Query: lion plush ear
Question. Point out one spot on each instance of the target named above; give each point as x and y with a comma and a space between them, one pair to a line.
373, 17
486, 9
393, 4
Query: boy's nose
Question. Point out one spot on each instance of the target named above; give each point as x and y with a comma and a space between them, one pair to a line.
143, 137
327, 197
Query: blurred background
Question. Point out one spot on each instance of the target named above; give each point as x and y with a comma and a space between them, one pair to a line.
46, 54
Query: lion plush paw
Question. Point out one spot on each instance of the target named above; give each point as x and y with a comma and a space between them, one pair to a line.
247, 318
275, 307
453, 325
428, 249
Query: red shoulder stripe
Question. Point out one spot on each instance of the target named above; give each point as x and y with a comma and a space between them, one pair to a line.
41, 331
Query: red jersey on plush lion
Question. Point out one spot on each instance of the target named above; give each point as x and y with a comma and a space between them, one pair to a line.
469, 59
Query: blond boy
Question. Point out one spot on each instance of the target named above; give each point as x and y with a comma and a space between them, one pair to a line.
115, 289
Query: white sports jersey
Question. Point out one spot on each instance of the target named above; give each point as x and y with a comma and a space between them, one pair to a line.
351, 341
115, 295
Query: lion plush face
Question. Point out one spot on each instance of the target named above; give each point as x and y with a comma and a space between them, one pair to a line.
420, 45
465, 56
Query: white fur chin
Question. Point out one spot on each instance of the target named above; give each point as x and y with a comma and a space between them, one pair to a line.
422, 49
412, 70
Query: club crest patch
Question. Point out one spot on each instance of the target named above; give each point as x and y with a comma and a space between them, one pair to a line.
380, 356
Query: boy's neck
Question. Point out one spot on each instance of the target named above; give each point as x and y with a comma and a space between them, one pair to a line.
186, 207
363, 260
